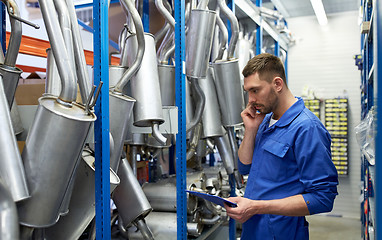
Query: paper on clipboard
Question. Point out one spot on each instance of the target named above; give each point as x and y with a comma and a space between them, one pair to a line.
213, 198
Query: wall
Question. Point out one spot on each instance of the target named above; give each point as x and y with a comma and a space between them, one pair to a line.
323, 60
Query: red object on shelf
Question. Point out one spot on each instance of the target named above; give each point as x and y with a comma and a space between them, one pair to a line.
37, 47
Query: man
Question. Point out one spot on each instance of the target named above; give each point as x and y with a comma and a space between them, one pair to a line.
286, 152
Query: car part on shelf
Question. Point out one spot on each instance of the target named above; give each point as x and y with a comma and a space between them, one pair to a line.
82, 202
11, 165
9, 225
199, 42
129, 197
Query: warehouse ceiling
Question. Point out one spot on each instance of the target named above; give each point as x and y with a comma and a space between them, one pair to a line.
299, 8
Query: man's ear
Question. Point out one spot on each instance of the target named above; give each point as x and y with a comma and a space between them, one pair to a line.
278, 84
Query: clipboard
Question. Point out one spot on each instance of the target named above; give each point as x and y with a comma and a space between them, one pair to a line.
213, 198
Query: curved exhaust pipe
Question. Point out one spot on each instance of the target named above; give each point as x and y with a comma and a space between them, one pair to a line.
168, 48
203, 4
16, 34
234, 27
65, 23
224, 33
235, 150
225, 152
144, 229
11, 166
200, 102
165, 13
69, 86
157, 134
84, 81
196, 133
133, 69
9, 223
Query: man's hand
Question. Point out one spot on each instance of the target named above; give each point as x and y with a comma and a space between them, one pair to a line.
251, 118
245, 209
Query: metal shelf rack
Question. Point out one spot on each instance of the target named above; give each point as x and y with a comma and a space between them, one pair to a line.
101, 62
371, 76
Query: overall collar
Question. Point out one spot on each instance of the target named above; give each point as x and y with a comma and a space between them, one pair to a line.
289, 115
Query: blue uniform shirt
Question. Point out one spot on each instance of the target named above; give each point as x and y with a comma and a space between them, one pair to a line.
291, 157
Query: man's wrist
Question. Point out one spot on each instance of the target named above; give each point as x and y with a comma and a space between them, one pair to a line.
260, 207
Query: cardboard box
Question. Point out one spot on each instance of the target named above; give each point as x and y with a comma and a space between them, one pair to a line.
29, 91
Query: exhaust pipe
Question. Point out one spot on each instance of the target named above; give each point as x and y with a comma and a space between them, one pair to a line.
84, 81
52, 81
135, 66
69, 86
11, 166
200, 102
224, 33
129, 197
16, 34
10, 73
234, 28
9, 225
211, 118
199, 42
82, 202
225, 152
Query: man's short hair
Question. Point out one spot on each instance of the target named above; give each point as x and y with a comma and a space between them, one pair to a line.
268, 66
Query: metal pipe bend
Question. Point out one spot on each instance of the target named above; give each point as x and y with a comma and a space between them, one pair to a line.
234, 27
16, 34
133, 69
157, 134
200, 105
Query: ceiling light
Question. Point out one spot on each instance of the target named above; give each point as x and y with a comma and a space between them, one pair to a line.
319, 10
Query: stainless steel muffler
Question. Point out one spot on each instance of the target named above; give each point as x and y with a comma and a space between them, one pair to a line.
50, 155
229, 90
162, 196
11, 76
121, 107
164, 227
11, 166
145, 87
227, 76
167, 84
16, 119
211, 118
9, 226
199, 42
129, 197
82, 203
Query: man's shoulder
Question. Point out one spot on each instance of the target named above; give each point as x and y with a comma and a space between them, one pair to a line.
307, 119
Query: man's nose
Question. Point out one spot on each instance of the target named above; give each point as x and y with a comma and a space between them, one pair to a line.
251, 98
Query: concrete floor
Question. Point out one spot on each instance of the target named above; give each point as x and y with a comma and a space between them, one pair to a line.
333, 228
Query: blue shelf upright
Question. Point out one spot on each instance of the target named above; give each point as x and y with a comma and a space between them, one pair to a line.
378, 79
101, 127
259, 31
180, 99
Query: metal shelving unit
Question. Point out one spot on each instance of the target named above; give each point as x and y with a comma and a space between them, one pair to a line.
378, 79
180, 99
371, 42
101, 127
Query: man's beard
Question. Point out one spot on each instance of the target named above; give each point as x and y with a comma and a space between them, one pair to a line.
271, 105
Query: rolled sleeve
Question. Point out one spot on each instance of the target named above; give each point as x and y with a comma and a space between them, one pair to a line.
317, 171
244, 169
